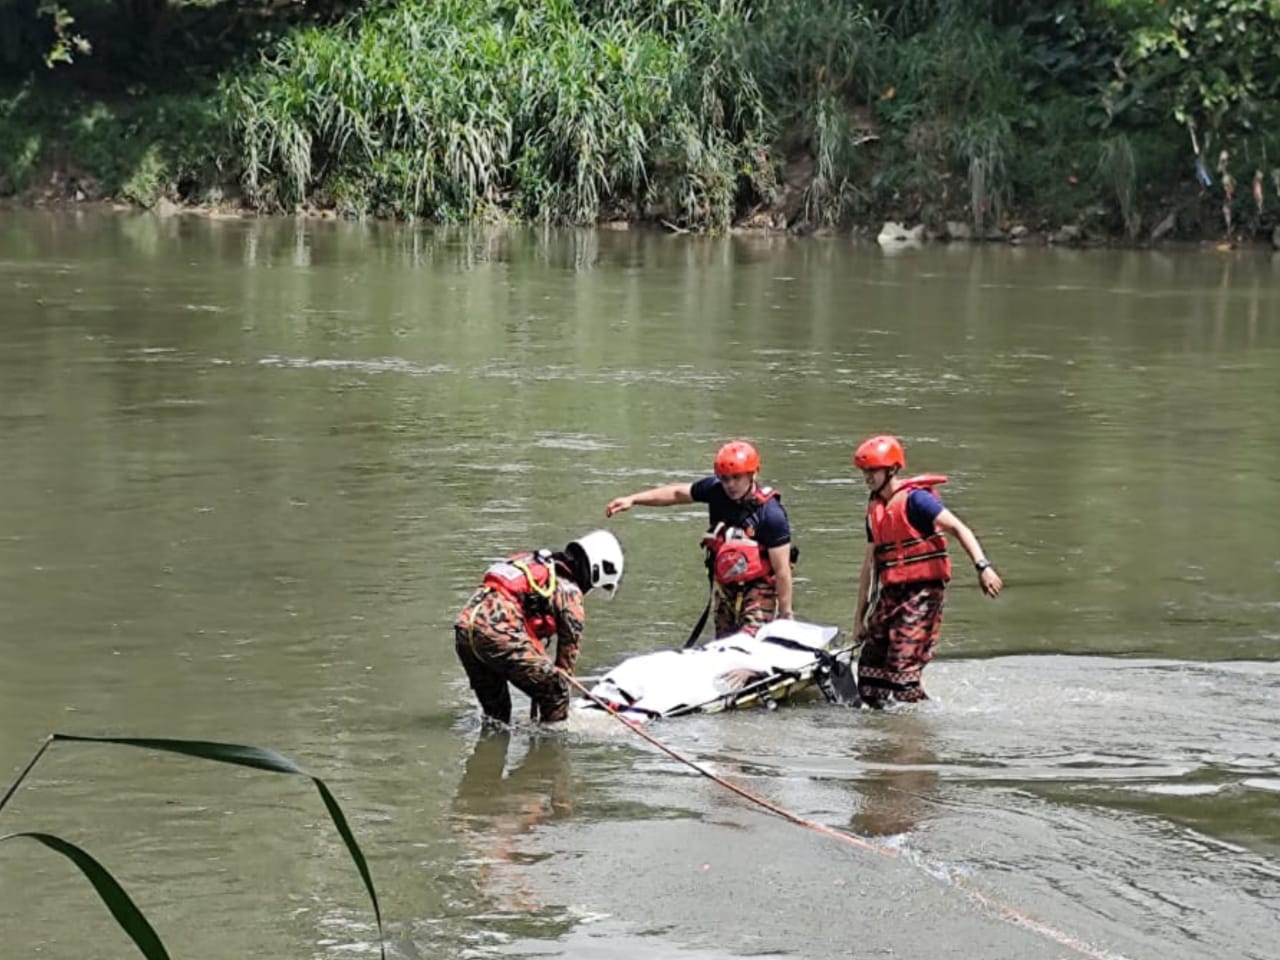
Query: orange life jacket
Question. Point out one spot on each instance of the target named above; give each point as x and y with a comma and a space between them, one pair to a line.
530, 580
733, 554
902, 555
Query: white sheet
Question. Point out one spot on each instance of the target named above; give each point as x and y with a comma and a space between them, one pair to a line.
658, 683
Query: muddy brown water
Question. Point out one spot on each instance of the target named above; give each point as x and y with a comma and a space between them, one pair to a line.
250, 469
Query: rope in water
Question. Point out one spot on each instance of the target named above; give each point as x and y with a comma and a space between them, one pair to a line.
1003, 911
740, 791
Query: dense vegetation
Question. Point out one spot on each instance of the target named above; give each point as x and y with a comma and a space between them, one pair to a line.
1121, 117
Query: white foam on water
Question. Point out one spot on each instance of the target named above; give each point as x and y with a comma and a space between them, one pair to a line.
1181, 789
1269, 784
374, 365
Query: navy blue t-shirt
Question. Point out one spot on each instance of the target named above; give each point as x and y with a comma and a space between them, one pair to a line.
772, 527
923, 508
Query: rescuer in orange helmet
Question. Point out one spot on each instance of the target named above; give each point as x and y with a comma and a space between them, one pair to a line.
748, 539
907, 553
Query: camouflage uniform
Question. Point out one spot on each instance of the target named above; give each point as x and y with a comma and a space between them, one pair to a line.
743, 606
495, 649
899, 641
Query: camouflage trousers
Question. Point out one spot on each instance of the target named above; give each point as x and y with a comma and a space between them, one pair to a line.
899, 641
493, 660
743, 606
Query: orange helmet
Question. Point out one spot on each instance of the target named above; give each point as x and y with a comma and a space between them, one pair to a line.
736, 456
881, 451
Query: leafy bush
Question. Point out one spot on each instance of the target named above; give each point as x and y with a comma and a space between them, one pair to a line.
698, 111
162, 146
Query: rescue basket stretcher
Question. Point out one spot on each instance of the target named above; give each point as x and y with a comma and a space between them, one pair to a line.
784, 660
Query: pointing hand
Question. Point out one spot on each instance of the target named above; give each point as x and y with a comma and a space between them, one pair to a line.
618, 505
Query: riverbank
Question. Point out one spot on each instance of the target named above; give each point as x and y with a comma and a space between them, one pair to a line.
890, 236
795, 116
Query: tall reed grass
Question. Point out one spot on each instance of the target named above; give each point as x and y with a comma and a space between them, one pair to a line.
1117, 168
464, 109
695, 111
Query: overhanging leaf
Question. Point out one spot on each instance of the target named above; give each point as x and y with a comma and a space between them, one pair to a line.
118, 902
258, 758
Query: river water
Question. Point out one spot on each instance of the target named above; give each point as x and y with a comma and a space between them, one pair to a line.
250, 469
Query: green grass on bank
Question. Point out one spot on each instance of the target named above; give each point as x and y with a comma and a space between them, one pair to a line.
702, 113
472, 108
142, 150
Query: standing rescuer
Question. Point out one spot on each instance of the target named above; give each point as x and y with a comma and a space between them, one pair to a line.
907, 553
500, 636
748, 541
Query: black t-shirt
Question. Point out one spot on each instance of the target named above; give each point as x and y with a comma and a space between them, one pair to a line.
772, 528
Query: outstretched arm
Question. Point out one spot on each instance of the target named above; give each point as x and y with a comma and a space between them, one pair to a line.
988, 579
665, 496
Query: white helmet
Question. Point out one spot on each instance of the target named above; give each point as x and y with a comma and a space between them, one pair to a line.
601, 556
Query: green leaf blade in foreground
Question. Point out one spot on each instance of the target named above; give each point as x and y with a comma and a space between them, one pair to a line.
122, 907
258, 758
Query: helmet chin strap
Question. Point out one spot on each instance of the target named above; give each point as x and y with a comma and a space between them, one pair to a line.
889, 475
751, 488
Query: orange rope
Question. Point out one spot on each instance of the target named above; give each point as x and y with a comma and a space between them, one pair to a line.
1004, 912
740, 791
